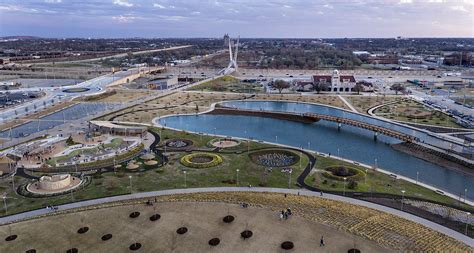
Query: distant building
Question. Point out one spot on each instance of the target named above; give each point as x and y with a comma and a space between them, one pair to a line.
336, 82
383, 59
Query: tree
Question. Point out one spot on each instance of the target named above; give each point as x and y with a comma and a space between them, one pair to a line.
280, 85
398, 87
320, 86
358, 88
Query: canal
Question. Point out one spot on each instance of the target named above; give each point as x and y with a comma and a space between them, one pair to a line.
350, 142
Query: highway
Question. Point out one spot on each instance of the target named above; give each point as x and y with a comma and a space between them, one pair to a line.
56, 94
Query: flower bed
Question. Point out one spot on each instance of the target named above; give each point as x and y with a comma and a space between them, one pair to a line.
201, 160
341, 172
274, 158
178, 143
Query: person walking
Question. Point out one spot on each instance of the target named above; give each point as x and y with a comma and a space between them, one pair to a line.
321, 243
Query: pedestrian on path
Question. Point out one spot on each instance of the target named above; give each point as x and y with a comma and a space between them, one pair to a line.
321, 243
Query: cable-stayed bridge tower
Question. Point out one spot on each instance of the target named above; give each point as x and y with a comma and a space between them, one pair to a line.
232, 67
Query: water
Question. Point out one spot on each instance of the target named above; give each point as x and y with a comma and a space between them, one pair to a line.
353, 143
74, 112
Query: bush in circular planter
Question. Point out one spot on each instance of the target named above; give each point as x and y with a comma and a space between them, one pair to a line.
201, 160
341, 172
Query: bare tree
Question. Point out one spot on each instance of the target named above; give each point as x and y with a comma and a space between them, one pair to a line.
320, 86
280, 85
398, 87
358, 88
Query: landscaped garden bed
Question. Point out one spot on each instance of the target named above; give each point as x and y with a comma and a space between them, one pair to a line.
274, 158
343, 172
201, 160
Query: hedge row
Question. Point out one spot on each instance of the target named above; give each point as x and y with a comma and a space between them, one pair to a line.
186, 160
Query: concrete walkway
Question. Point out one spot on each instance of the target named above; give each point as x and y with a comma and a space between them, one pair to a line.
347, 103
444, 230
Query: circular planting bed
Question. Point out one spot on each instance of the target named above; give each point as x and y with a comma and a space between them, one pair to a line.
106, 237
178, 143
228, 219
201, 160
353, 251
135, 246
224, 143
287, 245
72, 250
76, 90
246, 234
341, 172
11, 238
83, 230
182, 230
134, 214
274, 158
155, 217
214, 241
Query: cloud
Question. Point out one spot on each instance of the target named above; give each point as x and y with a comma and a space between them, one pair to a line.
53, 1
17, 8
123, 3
159, 6
124, 19
405, 1
459, 8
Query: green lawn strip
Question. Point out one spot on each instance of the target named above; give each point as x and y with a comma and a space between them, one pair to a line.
227, 84
374, 182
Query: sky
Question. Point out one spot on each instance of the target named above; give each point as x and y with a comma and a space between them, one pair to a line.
247, 18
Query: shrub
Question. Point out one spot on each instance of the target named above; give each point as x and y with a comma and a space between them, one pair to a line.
338, 173
352, 184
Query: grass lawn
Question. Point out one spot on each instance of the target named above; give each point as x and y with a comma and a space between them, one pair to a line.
228, 84
414, 112
374, 182
171, 176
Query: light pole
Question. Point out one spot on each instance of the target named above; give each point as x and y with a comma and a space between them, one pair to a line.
5, 203
467, 221
289, 179
184, 172
309, 143
375, 163
237, 170
366, 174
465, 194
344, 192
403, 197
417, 174
130, 179
276, 138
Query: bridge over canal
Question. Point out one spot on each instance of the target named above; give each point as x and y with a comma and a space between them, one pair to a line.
309, 118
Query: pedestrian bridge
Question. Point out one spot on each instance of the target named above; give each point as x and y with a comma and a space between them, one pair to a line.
314, 117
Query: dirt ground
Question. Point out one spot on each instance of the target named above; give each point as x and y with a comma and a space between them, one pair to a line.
203, 221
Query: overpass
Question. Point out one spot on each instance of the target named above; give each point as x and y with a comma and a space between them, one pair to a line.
309, 118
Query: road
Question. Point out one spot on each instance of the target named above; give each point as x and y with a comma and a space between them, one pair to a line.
441, 100
424, 222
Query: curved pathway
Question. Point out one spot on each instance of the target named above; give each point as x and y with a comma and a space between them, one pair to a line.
429, 224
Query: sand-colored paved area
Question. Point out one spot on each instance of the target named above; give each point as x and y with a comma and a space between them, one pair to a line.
343, 226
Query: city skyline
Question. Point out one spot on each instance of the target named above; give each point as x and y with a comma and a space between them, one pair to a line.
263, 19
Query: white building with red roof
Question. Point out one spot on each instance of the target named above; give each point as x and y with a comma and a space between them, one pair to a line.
336, 82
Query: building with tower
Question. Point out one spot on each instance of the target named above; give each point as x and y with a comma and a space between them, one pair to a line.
336, 82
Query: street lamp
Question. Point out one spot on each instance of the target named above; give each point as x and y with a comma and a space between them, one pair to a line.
366, 173
130, 179
237, 170
375, 163
467, 221
465, 195
403, 197
344, 192
289, 179
184, 179
417, 174
276, 138
5, 203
